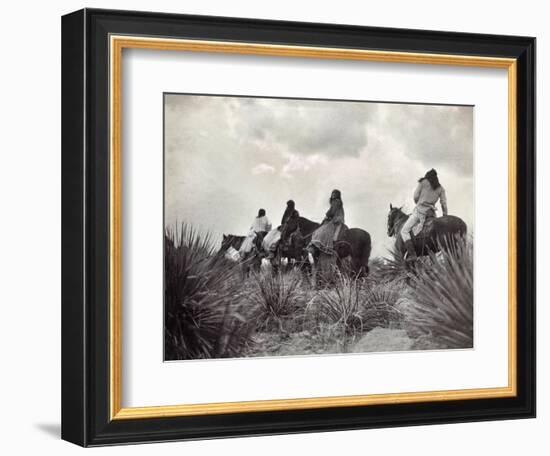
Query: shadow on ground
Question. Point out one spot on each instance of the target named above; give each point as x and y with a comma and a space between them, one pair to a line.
51, 429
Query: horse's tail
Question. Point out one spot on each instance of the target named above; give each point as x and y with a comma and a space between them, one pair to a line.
463, 228
365, 254
452, 230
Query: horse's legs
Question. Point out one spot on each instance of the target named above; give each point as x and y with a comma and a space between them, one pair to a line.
325, 269
257, 264
340, 264
244, 270
305, 265
289, 265
313, 263
355, 266
276, 263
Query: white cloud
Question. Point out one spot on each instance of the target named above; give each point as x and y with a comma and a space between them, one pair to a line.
297, 163
263, 168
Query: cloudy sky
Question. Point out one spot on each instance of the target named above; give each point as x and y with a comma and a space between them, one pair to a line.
226, 157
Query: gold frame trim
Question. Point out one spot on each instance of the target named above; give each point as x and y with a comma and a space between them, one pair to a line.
117, 44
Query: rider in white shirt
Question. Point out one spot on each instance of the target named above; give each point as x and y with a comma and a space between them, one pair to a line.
427, 193
260, 227
261, 224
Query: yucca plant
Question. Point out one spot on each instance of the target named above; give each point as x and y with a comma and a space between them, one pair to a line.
358, 305
392, 268
275, 298
379, 308
442, 297
204, 313
342, 303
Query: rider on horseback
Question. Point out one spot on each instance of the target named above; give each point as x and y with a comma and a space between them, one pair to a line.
427, 193
323, 238
289, 222
260, 227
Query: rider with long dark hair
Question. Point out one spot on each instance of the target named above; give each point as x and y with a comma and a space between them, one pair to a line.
324, 237
289, 222
428, 191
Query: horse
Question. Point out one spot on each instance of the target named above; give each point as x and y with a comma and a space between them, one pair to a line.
231, 240
434, 234
250, 261
295, 236
354, 243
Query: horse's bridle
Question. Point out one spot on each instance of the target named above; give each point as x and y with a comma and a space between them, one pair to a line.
391, 231
396, 218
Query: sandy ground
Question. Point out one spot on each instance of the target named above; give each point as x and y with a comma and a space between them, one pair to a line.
383, 339
307, 343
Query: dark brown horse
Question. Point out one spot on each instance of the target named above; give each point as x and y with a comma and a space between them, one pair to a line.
435, 233
354, 244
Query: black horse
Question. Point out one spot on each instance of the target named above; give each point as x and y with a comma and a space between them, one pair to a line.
231, 240
435, 233
354, 243
295, 236
250, 261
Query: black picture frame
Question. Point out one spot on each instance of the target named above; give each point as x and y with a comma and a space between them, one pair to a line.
85, 227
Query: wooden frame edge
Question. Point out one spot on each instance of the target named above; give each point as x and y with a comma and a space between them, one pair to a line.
115, 213
309, 403
512, 227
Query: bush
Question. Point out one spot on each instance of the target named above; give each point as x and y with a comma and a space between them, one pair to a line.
276, 299
341, 304
357, 305
380, 308
203, 314
393, 268
442, 297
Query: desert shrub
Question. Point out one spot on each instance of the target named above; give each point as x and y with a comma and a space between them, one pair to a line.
380, 306
331, 338
276, 298
204, 316
392, 268
341, 304
325, 272
358, 305
442, 298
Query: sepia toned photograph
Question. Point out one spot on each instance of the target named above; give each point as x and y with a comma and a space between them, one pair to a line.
298, 227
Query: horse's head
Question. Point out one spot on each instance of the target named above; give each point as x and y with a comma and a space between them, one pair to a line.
394, 215
288, 228
227, 242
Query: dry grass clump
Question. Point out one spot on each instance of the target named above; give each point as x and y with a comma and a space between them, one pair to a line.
204, 316
380, 308
391, 269
442, 298
341, 304
276, 298
356, 305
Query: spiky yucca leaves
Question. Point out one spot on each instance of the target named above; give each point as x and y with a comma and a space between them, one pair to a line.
203, 313
392, 268
341, 304
442, 297
276, 298
379, 309
357, 305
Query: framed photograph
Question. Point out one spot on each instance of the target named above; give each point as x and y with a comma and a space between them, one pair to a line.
278, 227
